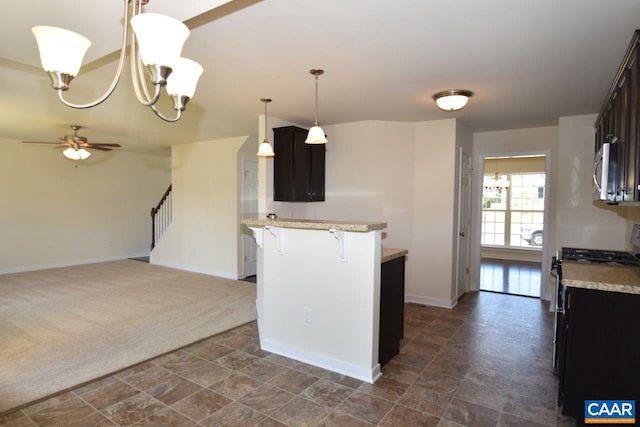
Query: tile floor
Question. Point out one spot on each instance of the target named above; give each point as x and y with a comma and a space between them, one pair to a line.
487, 362
511, 277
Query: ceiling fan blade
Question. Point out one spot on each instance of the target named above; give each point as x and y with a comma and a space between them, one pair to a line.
43, 142
98, 144
97, 147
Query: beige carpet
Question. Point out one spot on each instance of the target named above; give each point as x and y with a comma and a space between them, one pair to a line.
63, 327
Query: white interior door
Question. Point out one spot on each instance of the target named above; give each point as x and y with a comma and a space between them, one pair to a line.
249, 206
464, 221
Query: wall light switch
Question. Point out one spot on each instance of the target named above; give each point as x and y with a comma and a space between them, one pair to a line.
307, 315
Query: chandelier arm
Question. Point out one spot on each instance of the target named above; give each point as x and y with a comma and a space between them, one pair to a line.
139, 85
114, 83
136, 70
167, 119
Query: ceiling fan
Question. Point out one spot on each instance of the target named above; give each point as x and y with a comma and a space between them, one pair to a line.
76, 145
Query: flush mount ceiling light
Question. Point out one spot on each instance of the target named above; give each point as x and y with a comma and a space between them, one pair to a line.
452, 100
265, 149
316, 134
156, 42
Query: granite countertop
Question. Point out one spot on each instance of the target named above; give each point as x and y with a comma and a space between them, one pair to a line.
392, 253
312, 224
613, 278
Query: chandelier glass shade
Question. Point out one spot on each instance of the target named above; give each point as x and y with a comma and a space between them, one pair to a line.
155, 47
452, 100
265, 149
316, 134
60, 50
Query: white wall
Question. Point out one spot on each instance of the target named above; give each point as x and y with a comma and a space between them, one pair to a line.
205, 233
57, 212
430, 281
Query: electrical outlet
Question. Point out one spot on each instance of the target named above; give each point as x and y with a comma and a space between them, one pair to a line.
307, 315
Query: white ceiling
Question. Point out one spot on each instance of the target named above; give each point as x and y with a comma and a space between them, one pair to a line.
528, 62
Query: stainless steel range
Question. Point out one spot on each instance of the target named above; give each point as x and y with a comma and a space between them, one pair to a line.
599, 256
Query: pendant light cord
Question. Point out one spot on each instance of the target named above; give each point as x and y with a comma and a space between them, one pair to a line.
265, 122
316, 100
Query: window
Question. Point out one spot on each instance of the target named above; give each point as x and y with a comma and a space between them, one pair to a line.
513, 210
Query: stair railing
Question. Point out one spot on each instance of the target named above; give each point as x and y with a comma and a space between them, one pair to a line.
161, 217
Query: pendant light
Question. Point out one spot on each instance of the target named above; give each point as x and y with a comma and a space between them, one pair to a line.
316, 134
265, 149
452, 100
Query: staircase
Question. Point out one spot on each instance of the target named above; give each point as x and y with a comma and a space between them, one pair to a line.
161, 217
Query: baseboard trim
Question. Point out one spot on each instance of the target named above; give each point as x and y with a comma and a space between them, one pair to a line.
71, 263
341, 367
417, 299
194, 269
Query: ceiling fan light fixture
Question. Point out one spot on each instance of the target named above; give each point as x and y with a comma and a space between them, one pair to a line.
155, 42
76, 154
316, 134
452, 100
265, 149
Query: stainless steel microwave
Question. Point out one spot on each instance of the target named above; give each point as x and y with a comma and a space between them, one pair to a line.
605, 172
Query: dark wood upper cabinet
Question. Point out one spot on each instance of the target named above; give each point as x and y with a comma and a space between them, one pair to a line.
618, 121
298, 168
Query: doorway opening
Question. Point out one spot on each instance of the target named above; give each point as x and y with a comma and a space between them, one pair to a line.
512, 224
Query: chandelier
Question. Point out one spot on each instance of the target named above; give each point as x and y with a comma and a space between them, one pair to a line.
156, 46
495, 184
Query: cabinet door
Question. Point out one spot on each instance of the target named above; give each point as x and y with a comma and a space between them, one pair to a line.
391, 309
625, 149
283, 165
316, 172
633, 176
301, 166
601, 353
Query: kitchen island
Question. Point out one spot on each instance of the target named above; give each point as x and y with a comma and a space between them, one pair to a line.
318, 292
598, 341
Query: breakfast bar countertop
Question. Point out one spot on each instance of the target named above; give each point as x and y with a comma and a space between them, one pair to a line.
612, 278
312, 224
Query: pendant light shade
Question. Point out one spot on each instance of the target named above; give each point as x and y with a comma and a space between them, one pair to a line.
265, 149
452, 100
316, 134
